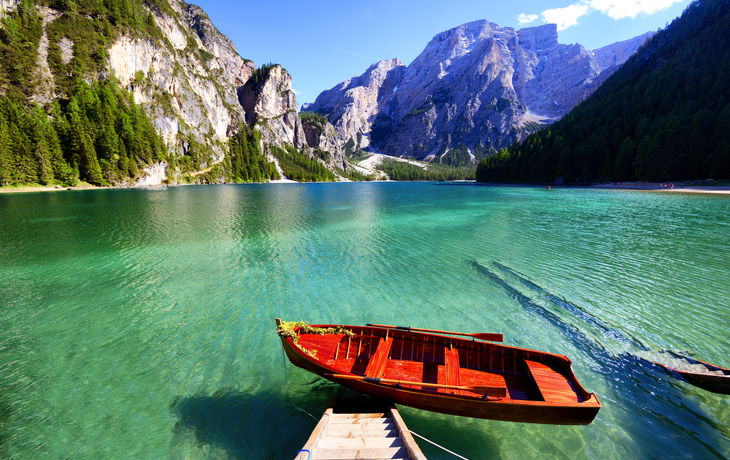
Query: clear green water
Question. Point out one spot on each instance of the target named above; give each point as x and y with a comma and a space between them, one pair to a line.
140, 323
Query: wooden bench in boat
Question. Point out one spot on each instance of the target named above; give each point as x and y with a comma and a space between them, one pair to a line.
452, 370
377, 362
553, 386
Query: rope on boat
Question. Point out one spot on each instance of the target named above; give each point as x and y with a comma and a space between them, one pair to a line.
440, 447
286, 380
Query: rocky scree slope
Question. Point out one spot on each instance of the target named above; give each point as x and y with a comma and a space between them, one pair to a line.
473, 90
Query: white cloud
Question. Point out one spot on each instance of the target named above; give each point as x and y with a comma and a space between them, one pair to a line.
615, 9
295, 91
565, 17
526, 18
619, 9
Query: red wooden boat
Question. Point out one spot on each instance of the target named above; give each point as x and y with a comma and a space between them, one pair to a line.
701, 374
439, 373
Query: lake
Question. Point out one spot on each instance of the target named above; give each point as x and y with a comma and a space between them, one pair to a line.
140, 323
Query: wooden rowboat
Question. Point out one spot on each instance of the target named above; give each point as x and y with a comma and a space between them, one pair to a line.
700, 374
439, 373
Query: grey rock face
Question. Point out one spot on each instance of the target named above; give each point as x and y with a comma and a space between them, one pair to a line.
189, 91
235, 69
269, 101
616, 54
324, 137
474, 89
353, 105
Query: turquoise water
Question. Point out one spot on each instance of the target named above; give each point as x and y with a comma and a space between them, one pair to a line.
140, 323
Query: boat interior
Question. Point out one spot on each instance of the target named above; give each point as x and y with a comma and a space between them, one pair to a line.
436, 359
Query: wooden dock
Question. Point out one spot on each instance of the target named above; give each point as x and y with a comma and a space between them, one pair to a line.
360, 435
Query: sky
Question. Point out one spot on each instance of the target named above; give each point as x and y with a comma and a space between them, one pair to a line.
322, 43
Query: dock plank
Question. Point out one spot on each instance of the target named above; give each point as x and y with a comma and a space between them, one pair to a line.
375, 436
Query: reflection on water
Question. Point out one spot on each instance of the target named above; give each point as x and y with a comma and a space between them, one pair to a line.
139, 323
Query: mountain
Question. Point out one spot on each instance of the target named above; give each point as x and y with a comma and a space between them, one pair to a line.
663, 116
474, 89
141, 92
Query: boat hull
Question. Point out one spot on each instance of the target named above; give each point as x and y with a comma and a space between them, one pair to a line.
710, 382
713, 383
526, 411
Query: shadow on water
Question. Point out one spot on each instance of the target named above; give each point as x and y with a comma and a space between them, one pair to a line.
637, 383
574, 309
247, 424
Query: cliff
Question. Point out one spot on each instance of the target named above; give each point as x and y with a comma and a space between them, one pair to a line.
195, 88
187, 83
473, 90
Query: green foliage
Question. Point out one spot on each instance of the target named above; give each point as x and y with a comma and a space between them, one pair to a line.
315, 120
401, 171
101, 137
349, 147
662, 116
245, 161
20, 34
425, 107
357, 176
458, 157
91, 25
261, 74
301, 167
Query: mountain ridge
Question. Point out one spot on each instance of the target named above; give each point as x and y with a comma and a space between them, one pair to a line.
187, 77
661, 117
474, 89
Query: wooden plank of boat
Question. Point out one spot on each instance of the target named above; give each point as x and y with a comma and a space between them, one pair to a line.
444, 373
490, 336
701, 374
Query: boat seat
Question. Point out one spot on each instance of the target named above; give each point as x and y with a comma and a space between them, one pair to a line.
553, 386
378, 360
452, 374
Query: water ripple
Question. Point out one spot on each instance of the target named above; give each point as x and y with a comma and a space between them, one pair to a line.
141, 321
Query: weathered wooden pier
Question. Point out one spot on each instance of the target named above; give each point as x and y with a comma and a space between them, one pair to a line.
350, 435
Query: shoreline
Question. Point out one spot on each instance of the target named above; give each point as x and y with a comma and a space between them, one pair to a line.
668, 187
629, 186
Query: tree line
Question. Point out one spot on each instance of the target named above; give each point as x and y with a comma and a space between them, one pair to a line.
400, 171
245, 161
99, 135
301, 167
662, 116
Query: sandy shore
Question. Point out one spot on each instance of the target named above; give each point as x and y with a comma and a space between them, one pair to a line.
40, 188
666, 187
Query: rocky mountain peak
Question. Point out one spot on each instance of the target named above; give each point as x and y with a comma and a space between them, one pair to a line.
617, 53
268, 100
474, 89
540, 40
236, 69
353, 105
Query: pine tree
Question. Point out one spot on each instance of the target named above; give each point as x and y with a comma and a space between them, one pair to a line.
5, 153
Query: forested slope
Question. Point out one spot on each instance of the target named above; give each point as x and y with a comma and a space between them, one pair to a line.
108, 91
664, 115
93, 132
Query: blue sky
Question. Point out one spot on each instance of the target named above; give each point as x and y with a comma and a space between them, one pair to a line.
322, 43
